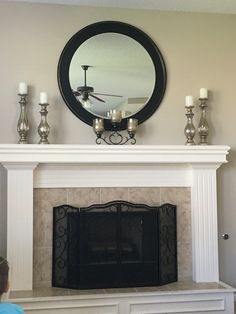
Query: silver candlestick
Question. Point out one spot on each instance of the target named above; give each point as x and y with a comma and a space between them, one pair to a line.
189, 130
23, 124
43, 128
203, 125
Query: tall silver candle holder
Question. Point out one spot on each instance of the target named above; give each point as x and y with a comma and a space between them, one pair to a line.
23, 124
43, 128
189, 130
203, 128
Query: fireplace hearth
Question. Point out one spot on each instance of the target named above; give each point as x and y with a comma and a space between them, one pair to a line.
117, 244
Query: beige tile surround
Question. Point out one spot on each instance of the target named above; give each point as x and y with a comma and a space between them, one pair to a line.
46, 199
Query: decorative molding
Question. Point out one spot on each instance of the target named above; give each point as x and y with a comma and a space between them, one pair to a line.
197, 305
204, 224
73, 175
3, 212
80, 307
19, 184
20, 165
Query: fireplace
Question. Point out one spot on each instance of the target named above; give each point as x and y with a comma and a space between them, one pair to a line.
87, 166
26, 167
117, 244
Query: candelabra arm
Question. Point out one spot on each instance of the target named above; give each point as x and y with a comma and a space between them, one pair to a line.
115, 138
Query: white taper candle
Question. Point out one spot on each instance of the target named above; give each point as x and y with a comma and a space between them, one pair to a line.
203, 93
43, 98
23, 88
189, 101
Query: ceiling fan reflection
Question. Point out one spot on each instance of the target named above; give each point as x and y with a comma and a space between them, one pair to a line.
86, 91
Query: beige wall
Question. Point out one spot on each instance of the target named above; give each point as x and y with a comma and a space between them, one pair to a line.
199, 50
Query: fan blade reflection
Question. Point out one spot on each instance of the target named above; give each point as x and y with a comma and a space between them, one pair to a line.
99, 99
110, 95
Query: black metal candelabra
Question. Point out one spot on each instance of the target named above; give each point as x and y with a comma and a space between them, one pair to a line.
115, 137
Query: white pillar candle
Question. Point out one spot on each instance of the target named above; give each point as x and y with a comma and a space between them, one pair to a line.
116, 116
189, 101
203, 93
132, 124
23, 88
98, 125
43, 98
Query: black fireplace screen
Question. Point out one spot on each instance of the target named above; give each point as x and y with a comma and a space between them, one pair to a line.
118, 244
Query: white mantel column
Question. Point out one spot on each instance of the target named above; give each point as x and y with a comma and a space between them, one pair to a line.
204, 223
20, 223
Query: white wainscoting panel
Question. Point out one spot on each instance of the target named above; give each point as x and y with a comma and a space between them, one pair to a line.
215, 301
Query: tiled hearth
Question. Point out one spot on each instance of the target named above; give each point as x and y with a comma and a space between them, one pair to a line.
30, 171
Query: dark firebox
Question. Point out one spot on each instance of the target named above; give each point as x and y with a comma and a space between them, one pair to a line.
117, 244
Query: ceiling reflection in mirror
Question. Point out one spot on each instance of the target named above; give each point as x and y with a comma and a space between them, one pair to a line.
112, 71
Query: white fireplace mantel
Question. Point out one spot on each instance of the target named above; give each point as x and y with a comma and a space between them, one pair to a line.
29, 166
112, 154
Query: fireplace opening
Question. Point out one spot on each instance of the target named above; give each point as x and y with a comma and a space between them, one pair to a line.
117, 244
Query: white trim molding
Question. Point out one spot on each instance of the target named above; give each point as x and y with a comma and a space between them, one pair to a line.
20, 223
87, 154
112, 166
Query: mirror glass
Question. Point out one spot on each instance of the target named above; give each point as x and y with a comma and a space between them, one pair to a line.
120, 71
109, 66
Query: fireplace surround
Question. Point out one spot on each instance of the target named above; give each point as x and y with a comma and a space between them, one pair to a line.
47, 198
29, 166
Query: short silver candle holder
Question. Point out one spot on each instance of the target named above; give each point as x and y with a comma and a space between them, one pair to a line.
43, 128
23, 124
203, 127
189, 130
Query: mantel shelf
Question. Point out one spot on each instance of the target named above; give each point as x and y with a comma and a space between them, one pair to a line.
85, 154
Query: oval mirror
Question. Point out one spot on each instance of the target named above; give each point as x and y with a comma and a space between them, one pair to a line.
111, 65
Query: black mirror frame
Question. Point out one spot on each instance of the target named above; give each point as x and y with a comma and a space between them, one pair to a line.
116, 27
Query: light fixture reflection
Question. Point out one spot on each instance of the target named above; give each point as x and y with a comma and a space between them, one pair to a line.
86, 103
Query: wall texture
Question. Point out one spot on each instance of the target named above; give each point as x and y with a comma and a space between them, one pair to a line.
199, 50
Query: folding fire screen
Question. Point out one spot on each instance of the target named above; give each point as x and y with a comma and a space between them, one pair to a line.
117, 244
